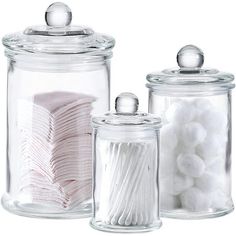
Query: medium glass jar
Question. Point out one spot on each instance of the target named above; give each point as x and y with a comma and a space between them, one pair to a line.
58, 75
126, 162
195, 142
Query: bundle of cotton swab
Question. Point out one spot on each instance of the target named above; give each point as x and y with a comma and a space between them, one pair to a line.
55, 138
193, 173
128, 194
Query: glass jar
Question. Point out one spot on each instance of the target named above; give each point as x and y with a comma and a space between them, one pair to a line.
126, 162
58, 75
195, 160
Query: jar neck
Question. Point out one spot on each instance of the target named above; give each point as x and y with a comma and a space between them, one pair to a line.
58, 62
200, 90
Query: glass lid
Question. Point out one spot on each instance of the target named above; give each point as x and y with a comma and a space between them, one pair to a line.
190, 73
127, 114
58, 36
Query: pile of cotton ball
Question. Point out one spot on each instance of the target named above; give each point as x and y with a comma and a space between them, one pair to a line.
193, 168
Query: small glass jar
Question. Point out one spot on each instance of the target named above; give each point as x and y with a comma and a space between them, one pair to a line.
195, 159
126, 162
58, 75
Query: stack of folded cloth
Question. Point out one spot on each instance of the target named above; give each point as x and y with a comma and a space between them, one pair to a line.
56, 148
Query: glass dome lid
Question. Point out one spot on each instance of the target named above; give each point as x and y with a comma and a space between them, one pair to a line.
190, 74
58, 36
127, 114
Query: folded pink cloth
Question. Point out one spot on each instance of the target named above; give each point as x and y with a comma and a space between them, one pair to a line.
56, 148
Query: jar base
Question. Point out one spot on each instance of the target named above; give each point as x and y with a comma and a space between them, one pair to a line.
98, 225
39, 211
187, 215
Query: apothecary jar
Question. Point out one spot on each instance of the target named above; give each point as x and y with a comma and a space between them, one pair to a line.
58, 75
126, 164
195, 143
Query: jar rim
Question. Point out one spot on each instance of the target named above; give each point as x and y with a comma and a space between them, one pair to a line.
58, 45
197, 80
133, 121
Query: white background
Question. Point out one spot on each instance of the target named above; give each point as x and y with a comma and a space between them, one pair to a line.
148, 35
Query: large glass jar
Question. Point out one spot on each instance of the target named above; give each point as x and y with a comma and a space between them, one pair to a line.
58, 75
126, 163
195, 142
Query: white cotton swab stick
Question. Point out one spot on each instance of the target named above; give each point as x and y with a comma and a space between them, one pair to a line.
121, 169
112, 165
143, 188
134, 215
117, 172
143, 195
124, 172
130, 214
127, 155
139, 215
153, 180
136, 171
116, 164
126, 202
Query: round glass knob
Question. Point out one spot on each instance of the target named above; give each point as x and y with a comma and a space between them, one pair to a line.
190, 57
58, 14
126, 103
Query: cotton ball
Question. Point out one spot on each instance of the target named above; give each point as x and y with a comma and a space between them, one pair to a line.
219, 199
208, 182
190, 165
194, 199
193, 134
202, 105
168, 137
169, 202
175, 184
216, 165
167, 164
182, 148
210, 160
180, 112
214, 121
181, 183
212, 146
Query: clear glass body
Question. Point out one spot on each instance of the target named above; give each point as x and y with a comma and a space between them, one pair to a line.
49, 148
125, 189
195, 153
